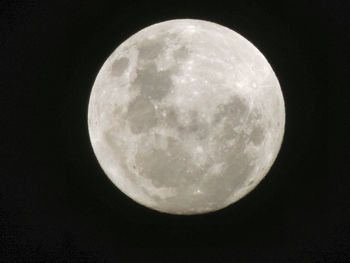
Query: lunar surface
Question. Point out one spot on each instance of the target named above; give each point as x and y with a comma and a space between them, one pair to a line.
186, 117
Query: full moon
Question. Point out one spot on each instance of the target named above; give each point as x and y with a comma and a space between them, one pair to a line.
186, 117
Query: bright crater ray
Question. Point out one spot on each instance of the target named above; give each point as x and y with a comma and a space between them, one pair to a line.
186, 116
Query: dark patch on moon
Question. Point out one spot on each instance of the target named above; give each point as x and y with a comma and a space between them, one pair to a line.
119, 66
167, 117
166, 168
234, 110
257, 135
181, 53
196, 127
141, 115
152, 83
151, 48
220, 187
230, 115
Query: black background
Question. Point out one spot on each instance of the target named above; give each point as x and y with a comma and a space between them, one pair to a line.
58, 206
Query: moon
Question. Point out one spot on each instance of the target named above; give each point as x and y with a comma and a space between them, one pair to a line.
186, 117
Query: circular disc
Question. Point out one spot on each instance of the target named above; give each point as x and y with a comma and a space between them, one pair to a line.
186, 116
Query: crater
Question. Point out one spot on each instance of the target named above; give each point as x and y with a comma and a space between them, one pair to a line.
251, 182
153, 84
141, 115
119, 66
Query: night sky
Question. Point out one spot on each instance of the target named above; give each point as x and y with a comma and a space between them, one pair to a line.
56, 204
